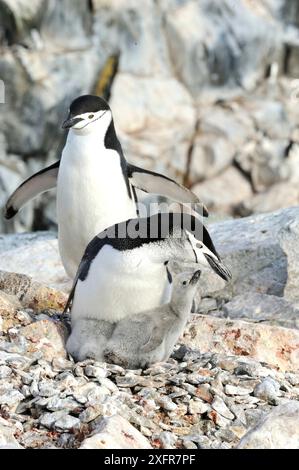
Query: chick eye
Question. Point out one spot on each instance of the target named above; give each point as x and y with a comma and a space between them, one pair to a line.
90, 116
184, 283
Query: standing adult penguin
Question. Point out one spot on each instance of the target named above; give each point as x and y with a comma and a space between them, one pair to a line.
124, 272
95, 184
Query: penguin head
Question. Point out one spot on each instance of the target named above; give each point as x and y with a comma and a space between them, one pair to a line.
185, 274
86, 113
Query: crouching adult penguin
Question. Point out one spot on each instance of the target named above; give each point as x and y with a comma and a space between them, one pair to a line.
96, 186
124, 272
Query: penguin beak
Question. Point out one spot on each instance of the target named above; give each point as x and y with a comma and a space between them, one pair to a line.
70, 122
195, 277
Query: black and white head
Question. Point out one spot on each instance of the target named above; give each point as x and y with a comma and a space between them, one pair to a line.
183, 273
88, 113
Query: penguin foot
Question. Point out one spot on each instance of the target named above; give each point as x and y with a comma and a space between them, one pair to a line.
112, 357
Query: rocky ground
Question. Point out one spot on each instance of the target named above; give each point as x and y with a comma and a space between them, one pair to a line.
232, 381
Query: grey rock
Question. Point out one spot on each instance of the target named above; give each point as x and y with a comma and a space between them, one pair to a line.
219, 406
115, 433
66, 423
237, 390
48, 419
7, 439
220, 60
16, 252
167, 439
10, 396
56, 404
224, 192
5, 372
166, 403
278, 196
257, 257
246, 369
197, 407
279, 429
262, 308
267, 390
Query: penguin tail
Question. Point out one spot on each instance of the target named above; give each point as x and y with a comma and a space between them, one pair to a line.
218, 267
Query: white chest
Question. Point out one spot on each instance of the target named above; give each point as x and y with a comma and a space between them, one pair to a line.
119, 285
92, 194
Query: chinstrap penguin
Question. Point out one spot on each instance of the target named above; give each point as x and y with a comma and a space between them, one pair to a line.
96, 186
143, 339
123, 273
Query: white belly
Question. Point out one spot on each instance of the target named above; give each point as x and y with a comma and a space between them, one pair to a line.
91, 196
119, 285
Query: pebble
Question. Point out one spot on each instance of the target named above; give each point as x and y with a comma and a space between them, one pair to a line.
197, 407
236, 390
267, 390
219, 406
166, 403
5, 372
245, 369
67, 423
166, 439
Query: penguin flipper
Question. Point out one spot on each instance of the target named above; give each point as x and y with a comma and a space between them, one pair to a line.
151, 182
38, 183
155, 340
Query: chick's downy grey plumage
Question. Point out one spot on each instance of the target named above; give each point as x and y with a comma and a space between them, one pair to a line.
143, 339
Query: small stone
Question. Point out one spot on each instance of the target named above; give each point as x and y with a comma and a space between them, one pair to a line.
7, 439
127, 381
10, 396
227, 364
293, 379
219, 406
236, 390
48, 419
167, 440
115, 433
166, 403
47, 337
67, 423
238, 430
278, 429
267, 390
97, 372
60, 363
197, 407
253, 416
217, 418
47, 389
225, 434
89, 414
189, 444
5, 372
245, 369
56, 403
191, 389
203, 392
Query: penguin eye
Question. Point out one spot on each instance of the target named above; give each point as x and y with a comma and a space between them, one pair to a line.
90, 116
184, 283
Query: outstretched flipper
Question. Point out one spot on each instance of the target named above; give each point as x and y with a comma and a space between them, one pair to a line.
37, 184
151, 182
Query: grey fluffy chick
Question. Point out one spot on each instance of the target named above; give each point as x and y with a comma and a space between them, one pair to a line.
149, 337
